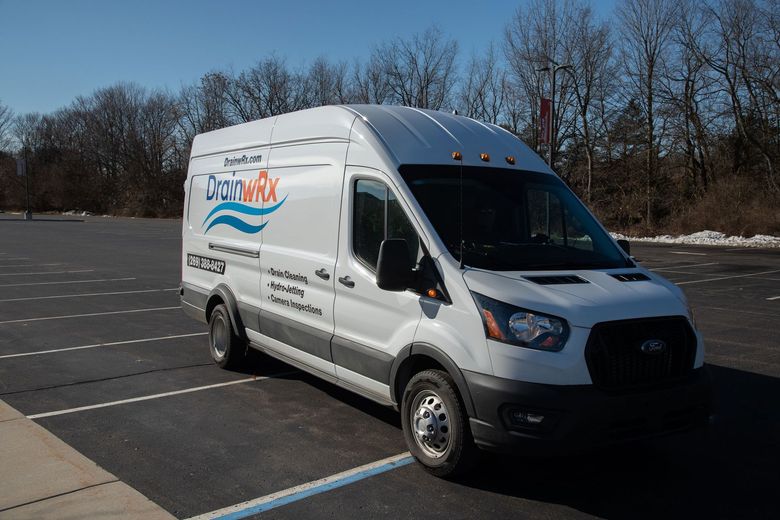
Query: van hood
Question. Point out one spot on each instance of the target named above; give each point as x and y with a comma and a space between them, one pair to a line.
602, 298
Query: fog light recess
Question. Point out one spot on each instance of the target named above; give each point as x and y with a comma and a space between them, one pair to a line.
525, 418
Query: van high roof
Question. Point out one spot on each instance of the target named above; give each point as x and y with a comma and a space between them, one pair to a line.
407, 135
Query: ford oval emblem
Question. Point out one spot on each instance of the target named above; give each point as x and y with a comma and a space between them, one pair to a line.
653, 346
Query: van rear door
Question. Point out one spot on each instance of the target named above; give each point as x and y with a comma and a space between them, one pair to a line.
222, 229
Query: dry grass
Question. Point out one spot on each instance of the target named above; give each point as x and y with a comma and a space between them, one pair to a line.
738, 207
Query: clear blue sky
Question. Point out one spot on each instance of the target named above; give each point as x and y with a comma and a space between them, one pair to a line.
53, 51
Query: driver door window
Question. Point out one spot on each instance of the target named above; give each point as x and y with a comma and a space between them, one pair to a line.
378, 216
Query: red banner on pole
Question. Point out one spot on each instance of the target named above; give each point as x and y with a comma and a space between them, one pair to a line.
545, 121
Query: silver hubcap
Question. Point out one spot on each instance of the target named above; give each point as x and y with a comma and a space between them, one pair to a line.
431, 424
219, 337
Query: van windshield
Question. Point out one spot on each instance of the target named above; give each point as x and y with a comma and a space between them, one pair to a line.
512, 220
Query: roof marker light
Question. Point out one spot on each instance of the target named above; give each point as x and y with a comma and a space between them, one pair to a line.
485, 157
510, 159
457, 156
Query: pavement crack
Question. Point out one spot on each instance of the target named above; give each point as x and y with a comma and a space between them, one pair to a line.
59, 495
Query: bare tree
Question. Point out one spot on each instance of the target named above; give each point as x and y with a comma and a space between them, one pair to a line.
420, 71
516, 114
590, 52
6, 123
369, 82
535, 39
646, 26
689, 90
483, 94
207, 105
270, 88
327, 83
27, 130
742, 49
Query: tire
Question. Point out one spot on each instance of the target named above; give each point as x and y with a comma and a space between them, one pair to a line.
436, 426
227, 349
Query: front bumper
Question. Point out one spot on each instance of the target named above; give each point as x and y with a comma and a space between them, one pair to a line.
581, 416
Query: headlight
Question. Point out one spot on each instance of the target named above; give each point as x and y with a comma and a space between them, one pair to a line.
510, 324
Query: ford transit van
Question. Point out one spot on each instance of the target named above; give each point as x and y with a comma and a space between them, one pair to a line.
434, 263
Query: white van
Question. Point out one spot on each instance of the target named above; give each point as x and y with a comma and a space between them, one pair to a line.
435, 264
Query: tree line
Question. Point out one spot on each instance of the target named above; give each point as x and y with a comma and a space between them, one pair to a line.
667, 114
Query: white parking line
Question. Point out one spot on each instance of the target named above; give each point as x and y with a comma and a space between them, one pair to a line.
773, 298
738, 311
669, 271
28, 265
156, 396
687, 253
293, 494
96, 345
47, 272
67, 281
14, 258
684, 266
88, 315
88, 294
728, 277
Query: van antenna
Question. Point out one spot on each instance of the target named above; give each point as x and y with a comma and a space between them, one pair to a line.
460, 215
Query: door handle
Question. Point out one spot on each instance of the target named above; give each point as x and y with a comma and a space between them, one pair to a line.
346, 280
322, 273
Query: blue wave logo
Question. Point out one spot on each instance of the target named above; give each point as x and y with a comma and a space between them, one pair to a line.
221, 217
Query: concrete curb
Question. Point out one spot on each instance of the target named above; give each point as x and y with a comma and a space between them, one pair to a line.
43, 477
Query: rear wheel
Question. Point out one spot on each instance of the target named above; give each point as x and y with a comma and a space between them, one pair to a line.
227, 349
436, 426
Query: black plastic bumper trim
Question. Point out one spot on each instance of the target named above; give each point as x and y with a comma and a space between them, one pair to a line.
582, 415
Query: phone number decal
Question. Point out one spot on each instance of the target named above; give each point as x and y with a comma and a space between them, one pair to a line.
207, 264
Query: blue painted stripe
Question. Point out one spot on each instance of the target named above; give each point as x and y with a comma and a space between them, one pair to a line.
335, 484
246, 209
236, 223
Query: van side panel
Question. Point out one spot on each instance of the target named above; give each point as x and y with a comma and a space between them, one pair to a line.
300, 240
222, 228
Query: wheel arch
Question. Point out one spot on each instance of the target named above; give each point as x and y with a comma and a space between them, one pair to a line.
417, 357
222, 294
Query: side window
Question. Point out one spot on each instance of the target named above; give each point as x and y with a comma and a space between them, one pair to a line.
547, 223
544, 217
377, 215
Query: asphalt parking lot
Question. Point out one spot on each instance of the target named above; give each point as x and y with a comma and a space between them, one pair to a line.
94, 347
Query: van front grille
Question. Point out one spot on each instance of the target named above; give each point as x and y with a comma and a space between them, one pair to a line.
627, 354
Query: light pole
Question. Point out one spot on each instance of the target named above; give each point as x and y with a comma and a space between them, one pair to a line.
28, 213
553, 71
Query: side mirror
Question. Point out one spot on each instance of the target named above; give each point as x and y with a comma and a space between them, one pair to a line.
393, 272
625, 246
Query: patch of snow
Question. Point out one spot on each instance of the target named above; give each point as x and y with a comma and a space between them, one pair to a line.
708, 238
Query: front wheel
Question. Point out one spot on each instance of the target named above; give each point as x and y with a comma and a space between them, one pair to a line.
436, 426
227, 349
